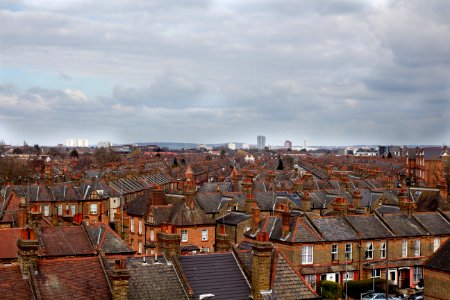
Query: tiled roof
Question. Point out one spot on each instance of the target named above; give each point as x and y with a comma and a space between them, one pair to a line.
403, 225
265, 200
182, 215
65, 241
209, 202
8, 246
108, 240
139, 206
72, 278
12, 285
152, 280
287, 284
434, 222
218, 274
369, 226
440, 259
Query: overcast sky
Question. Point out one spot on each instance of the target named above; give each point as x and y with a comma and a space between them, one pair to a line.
336, 72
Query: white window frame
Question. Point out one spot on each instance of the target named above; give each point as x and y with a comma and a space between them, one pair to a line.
140, 227
93, 209
132, 225
73, 209
140, 247
436, 244
417, 273
404, 248
416, 247
204, 235
376, 273
184, 235
369, 250
348, 254
311, 279
334, 252
383, 250
152, 235
60, 209
307, 254
46, 210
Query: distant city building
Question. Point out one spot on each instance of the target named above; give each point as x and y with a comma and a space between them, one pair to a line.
77, 143
232, 146
261, 142
245, 146
104, 144
287, 145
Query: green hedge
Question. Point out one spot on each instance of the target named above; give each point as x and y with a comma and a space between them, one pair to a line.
329, 289
356, 287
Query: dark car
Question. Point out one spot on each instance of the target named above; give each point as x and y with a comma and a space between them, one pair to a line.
417, 296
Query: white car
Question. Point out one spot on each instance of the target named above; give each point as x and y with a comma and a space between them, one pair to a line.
378, 296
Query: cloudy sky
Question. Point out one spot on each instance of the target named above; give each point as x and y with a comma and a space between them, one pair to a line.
336, 72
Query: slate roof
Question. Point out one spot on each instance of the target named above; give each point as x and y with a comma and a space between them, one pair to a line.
8, 246
72, 278
233, 218
264, 200
403, 225
12, 285
434, 222
65, 241
335, 229
213, 186
209, 202
218, 274
152, 280
139, 206
440, 259
182, 215
287, 284
369, 226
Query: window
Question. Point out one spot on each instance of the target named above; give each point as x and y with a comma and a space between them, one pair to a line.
307, 254
152, 251
140, 227
404, 248
204, 234
436, 244
184, 235
140, 247
383, 250
376, 273
93, 209
350, 275
311, 280
416, 247
417, 274
152, 235
60, 210
132, 224
204, 250
73, 209
369, 250
348, 251
334, 252
46, 210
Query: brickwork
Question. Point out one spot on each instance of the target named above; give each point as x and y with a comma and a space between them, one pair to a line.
436, 285
261, 267
27, 253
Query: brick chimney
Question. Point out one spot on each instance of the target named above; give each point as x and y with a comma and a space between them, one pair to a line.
35, 217
261, 265
256, 215
157, 195
298, 185
222, 239
234, 177
28, 245
120, 280
169, 241
356, 199
23, 212
406, 204
340, 205
305, 202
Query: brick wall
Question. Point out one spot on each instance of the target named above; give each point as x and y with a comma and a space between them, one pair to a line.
436, 285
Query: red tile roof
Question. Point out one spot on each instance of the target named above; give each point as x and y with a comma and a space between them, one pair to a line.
65, 240
12, 285
8, 246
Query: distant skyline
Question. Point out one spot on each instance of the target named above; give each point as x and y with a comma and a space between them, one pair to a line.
338, 72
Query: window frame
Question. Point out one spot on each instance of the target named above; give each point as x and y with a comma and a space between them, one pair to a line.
416, 248
46, 210
417, 271
132, 225
91, 211
311, 279
184, 235
376, 273
369, 250
334, 252
205, 237
348, 254
73, 210
383, 250
404, 248
307, 254
436, 244
152, 234
60, 209
140, 226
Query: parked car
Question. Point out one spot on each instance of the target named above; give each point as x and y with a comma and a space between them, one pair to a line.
378, 296
417, 296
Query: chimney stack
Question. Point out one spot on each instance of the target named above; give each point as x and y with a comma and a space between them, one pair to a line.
169, 241
23, 212
120, 280
305, 202
357, 199
157, 195
406, 204
261, 265
222, 240
256, 216
28, 245
340, 205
